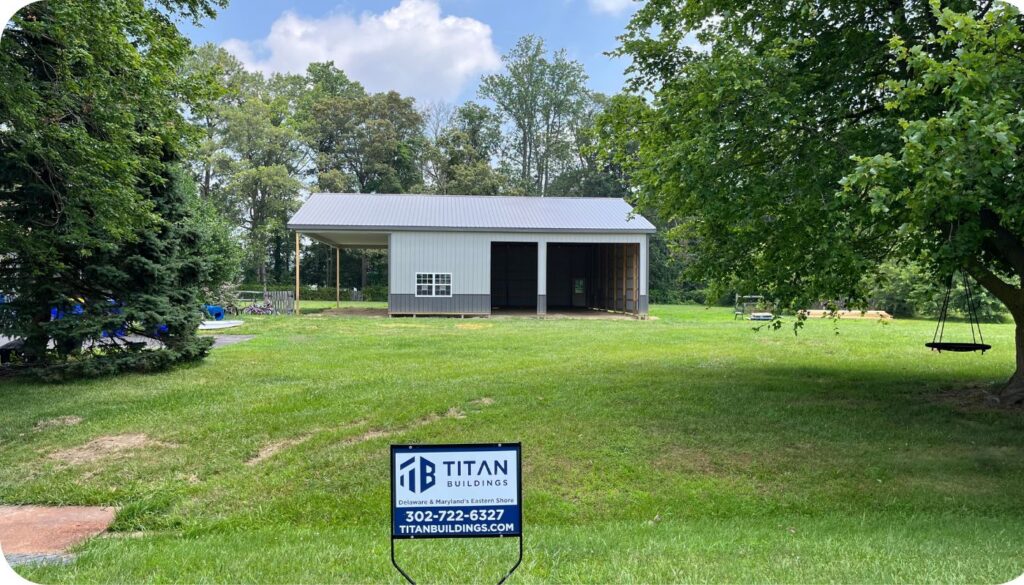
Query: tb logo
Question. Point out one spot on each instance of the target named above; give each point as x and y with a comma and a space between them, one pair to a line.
409, 471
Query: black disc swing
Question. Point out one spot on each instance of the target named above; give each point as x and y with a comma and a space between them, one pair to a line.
977, 342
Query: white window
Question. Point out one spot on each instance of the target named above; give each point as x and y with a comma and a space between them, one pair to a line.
433, 284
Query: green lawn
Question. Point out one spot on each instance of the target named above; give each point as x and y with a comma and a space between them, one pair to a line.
686, 448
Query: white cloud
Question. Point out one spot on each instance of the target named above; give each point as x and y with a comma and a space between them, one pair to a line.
410, 48
613, 7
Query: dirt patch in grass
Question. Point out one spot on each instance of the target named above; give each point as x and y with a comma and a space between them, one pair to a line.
485, 401
474, 326
105, 447
973, 398
367, 436
272, 449
454, 412
60, 421
356, 311
703, 462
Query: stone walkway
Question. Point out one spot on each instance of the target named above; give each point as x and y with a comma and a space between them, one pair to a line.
223, 340
38, 559
42, 534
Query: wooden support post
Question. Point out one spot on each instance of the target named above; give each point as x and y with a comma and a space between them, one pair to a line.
608, 250
624, 297
607, 274
636, 281
298, 237
613, 275
337, 277
603, 276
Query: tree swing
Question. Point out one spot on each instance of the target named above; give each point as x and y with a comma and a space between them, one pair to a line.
977, 342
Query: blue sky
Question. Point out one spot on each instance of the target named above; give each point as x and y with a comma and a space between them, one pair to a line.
433, 50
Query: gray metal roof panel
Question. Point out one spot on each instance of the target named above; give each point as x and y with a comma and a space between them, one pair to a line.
347, 211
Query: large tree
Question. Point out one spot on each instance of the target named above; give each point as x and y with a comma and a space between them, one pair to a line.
541, 98
259, 165
362, 142
252, 157
953, 193
91, 135
744, 119
460, 145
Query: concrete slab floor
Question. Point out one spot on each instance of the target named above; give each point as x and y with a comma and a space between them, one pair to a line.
563, 314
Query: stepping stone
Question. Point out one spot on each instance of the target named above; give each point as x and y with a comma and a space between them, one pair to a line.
34, 534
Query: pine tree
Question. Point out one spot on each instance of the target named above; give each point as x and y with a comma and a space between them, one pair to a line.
93, 216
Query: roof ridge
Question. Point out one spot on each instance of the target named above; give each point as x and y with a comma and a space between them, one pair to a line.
439, 195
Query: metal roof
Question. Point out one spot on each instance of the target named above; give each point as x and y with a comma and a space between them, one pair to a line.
347, 211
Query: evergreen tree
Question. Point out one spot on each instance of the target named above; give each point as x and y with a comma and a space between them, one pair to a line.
90, 132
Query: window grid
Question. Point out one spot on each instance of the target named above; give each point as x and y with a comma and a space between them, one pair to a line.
433, 284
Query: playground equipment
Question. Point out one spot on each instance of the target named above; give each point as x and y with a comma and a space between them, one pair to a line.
746, 306
977, 342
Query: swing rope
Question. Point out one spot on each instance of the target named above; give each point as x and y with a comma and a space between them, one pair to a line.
977, 342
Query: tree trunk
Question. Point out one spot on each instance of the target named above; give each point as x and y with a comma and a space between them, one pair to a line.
1013, 392
37, 340
1013, 298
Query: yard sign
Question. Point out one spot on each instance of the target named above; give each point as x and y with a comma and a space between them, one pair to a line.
456, 491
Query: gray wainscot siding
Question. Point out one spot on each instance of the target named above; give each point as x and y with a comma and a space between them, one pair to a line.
399, 304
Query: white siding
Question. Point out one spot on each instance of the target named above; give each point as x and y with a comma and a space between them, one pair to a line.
467, 256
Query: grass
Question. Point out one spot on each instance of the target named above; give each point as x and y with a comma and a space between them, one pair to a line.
686, 448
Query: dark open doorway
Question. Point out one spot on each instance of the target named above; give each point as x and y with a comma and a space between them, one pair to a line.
513, 275
593, 276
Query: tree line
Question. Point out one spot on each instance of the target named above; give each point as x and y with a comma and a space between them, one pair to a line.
270, 140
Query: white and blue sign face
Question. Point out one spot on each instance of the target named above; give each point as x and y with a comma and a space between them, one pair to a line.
455, 491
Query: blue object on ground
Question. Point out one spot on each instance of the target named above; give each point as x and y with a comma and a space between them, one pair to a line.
215, 312
57, 313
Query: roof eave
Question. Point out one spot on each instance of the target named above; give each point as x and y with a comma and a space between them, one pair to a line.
370, 228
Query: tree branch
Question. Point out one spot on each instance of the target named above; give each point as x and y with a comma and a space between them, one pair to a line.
1010, 295
1009, 246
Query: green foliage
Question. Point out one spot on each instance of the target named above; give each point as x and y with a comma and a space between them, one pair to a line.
372, 292
953, 192
548, 108
92, 210
117, 362
371, 142
908, 290
460, 145
668, 282
743, 145
270, 140
360, 269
